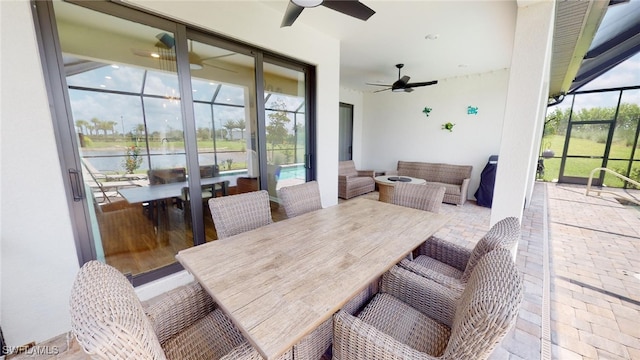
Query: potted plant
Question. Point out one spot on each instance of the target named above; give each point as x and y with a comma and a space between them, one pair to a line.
132, 159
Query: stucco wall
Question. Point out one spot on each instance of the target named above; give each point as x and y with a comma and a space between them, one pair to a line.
395, 127
38, 251
39, 259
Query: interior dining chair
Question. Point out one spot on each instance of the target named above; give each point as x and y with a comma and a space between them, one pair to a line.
216, 189
418, 196
236, 214
451, 265
415, 318
167, 176
207, 191
110, 322
300, 199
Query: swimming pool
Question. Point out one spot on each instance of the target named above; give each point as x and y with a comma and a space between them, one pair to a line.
292, 171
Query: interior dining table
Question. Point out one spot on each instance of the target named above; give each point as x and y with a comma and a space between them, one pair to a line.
164, 191
279, 282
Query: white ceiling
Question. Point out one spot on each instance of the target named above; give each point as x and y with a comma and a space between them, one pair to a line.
473, 36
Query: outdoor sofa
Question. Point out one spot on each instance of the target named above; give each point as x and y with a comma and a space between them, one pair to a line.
455, 178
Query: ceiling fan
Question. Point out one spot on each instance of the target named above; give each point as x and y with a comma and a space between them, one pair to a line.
403, 84
165, 51
352, 8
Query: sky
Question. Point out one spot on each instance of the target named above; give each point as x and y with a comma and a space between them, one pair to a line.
164, 114
625, 74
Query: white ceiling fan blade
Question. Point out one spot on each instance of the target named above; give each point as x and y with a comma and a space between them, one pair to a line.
219, 67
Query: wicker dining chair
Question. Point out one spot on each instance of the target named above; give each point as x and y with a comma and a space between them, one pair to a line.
300, 199
110, 322
450, 264
415, 318
316, 344
236, 214
418, 196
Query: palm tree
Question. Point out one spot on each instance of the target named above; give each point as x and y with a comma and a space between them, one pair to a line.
242, 126
81, 125
230, 125
104, 126
96, 124
139, 131
111, 125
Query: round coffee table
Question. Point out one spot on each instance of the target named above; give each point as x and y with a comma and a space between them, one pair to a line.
386, 184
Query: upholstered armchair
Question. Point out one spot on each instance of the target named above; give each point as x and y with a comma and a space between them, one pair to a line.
353, 182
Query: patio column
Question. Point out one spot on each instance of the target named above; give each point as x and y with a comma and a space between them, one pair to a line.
525, 108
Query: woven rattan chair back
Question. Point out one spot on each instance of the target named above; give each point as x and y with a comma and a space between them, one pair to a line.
107, 317
418, 196
487, 309
300, 199
166, 176
236, 214
348, 168
504, 234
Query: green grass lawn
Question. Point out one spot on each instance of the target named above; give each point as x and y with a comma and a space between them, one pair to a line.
583, 167
203, 145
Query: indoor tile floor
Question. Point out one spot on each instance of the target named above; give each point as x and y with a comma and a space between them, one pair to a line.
579, 258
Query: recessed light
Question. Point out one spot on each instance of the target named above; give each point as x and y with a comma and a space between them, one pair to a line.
432, 36
154, 55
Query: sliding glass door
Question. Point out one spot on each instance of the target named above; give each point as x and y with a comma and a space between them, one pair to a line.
155, 119
222, 86
126, 109
286, 121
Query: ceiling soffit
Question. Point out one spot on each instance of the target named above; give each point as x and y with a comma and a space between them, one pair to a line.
575, 27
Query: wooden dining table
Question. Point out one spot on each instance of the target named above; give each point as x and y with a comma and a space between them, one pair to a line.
279, 282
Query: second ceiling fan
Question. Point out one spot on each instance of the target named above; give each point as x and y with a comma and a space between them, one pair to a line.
403, 84
165, 50
352, 8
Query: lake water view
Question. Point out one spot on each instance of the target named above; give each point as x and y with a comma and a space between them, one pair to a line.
111, 161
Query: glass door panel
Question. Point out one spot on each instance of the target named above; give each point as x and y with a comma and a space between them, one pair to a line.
126, 114
286, 127
345, 139
598, 106
223, 82
585, 150
619, 166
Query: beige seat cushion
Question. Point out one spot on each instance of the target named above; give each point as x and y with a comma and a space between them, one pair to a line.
450, 188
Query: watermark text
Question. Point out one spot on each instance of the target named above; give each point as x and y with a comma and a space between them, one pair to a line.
31, 350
